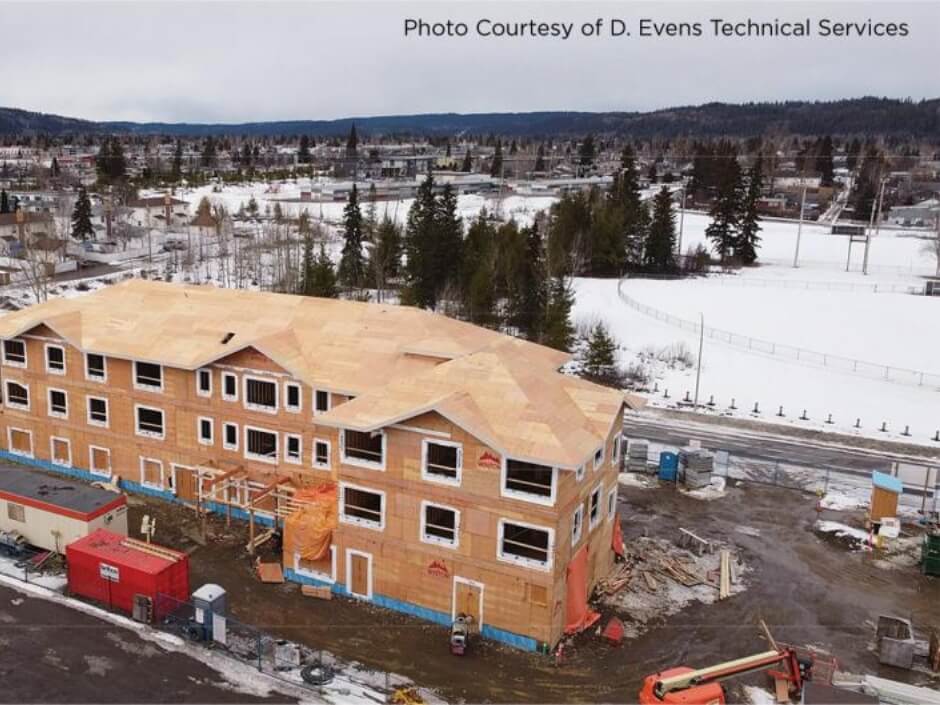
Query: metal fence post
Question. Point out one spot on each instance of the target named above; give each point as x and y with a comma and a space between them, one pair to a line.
258, 637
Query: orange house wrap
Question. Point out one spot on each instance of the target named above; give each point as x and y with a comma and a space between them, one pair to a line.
578, 616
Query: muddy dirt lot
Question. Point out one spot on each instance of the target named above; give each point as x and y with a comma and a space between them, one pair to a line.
810, 590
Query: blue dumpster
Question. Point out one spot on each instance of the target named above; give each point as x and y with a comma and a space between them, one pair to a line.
668, 466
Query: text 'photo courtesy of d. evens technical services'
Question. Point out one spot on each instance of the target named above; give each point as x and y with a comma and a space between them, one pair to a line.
414, 461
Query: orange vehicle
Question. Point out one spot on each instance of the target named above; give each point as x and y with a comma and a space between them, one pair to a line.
688, 686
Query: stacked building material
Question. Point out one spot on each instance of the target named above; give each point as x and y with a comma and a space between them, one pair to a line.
637, 457
696, 467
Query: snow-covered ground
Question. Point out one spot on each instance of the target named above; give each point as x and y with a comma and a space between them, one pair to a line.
819, 308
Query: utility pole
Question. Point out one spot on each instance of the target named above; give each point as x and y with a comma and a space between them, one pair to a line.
701, 345
681, 221
799, 227
875, 218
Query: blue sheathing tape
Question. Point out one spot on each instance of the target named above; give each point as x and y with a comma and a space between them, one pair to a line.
517, 641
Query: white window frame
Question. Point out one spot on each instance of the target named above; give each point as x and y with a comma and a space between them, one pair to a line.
577, 525
94, 378
200, 392
107, 412
16, 405
437, 540
299, 460
261, 458
260, 407
16, 363
225, 395
358, 462
615, 450
579, 473
525, 496
425, 475
68, 445
149, 434
316, 575
329, 402
599, 459
594, 521
300, 397
520, 560
143, 477
91, 461
329, 454
49, 411
225, 444
32, 452
149, 387
356, 521
611, 503
210, 441
51, 370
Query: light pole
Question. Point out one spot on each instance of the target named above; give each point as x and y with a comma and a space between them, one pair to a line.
799, 227
701, 344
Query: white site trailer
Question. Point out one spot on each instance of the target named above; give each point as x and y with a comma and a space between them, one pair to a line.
50, 512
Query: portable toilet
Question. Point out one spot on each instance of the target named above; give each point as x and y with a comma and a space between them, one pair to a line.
209, 607
668, 466
885, 492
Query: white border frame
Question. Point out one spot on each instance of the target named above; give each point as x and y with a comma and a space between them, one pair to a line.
580, 472
107, 412
437, 479
329, 402
65, 363
453, 598
104, 363
32, 450
143, 480
91, 463
225, 444
16, 405
356, 462
300, 448
260, 407
436, 540
525, 496
356, 521
149, 434
300, 398
148, 387
329, 454
49, 411
616, 448
350, 552
14, 363
68, 444
598, 462
611, 503
261, 458
579, 512
199, 391
202, 441
519, 560
599, 491
331, 578
229, 397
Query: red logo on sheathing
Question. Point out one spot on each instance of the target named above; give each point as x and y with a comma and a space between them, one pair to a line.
438, 569
488, 460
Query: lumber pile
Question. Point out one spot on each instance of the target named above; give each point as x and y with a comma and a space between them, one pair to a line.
616, 581
321, 592
724, 575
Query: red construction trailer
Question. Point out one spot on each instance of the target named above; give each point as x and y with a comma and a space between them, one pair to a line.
113, 569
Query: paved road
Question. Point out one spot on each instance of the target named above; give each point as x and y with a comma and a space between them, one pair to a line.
54, 654
762, 446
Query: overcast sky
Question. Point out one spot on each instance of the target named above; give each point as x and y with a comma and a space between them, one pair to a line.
233, 62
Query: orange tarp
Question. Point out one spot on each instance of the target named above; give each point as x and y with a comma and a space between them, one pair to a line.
309, 530
616, 540
578, 616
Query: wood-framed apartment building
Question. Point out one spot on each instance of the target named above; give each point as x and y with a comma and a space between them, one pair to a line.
464, 473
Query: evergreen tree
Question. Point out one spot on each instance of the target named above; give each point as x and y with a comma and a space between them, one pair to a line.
4, 202
351, 264
303, 153
252, 206
477, 270
586, 154
748, 241
540, 159
558, 330
531, 294
867, 184
81, 217
448, 241
722, 231
176, 170
652, 174
467, 166
660, 250
352, 142
371, 221
54, 168
419, 247
600, 359
109, 162
319, 275
209, 152
385, 260
496, 168
851, 154
824, 165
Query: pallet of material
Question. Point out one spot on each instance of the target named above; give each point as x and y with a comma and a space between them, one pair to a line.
321, 592
270, 572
